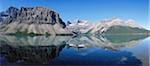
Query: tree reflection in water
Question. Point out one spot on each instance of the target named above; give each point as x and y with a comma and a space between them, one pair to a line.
46, 50
30, 54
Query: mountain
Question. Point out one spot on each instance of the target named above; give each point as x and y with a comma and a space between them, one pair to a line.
79, 26
111, 42
31, 20
132, 23
125, 30
117, 26
29, 50
40, 20
33, 40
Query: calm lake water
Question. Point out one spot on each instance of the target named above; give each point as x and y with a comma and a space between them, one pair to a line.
118, 50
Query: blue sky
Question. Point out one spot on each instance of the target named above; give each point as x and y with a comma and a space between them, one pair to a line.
92, 10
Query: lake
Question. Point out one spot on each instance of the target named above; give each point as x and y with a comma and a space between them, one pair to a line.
118, 50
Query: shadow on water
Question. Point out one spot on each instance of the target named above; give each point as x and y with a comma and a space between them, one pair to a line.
99, 50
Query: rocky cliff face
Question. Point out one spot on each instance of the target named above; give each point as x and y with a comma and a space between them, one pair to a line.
38, 20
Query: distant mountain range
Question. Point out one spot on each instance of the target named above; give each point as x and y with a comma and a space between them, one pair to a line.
118, 26
109, 26
80, 26
40, 20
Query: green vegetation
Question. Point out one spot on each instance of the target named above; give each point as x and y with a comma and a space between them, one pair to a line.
18, 33
124, 38
64, 34
126, 30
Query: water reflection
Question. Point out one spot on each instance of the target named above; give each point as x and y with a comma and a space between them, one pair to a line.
111, 42
69, 50
29, 54
30, 50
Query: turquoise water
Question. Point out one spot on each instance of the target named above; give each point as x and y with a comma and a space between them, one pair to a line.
82, 50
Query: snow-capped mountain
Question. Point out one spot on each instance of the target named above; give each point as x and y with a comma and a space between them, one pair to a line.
132, 23
80, 26
117, 25
111, 26
105, 24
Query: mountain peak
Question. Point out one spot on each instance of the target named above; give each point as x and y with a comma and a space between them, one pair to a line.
38, 20
117, 21
132, 23
106, 24
112, 22
31, 15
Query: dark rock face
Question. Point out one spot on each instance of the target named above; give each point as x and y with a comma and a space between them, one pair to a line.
68, 23
34, 17
1, 19
38, 15
9, 15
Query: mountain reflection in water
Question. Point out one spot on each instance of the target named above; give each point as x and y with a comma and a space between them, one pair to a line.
56, 50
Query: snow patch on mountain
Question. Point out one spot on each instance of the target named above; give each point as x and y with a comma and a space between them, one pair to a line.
104, 25
80, 26
132, 23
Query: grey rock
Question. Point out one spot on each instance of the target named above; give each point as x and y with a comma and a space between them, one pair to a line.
68, 23
80, 26
37, 20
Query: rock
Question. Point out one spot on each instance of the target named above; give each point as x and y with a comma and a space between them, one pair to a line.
80, 26
37, 20
68, 23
